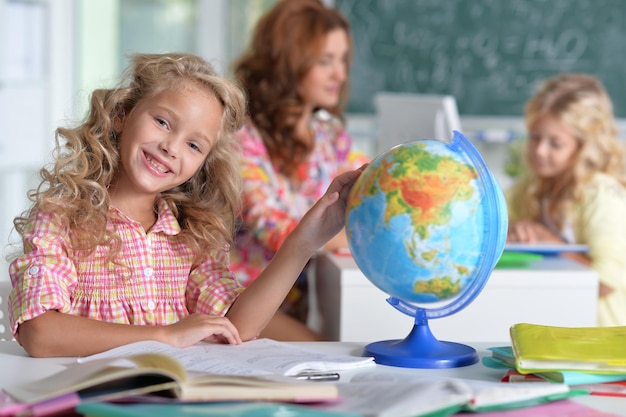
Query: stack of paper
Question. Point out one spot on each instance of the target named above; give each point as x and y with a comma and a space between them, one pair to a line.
256, 357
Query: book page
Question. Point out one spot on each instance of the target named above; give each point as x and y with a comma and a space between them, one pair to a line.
383, 394
256, 357
389, 398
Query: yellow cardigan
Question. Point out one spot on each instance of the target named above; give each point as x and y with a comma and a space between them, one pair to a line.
600, 222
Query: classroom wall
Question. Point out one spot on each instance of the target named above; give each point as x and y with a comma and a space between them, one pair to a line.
53, 53
37, 52
75, 45
488, 54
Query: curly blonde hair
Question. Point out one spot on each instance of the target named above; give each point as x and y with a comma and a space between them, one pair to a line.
285, 45
74, 187
580, 102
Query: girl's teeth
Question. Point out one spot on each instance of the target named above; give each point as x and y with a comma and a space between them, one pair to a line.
157, 166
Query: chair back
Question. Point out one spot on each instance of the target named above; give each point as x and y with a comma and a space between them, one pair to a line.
408, 116
5, 327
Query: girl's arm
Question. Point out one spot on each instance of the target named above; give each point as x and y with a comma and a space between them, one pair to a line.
59, 334
602, 226
257, 304
340, 241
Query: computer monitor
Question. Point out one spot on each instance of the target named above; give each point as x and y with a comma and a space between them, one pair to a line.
403, 117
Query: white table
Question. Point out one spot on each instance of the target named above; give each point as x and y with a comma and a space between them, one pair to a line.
552, 291
17, 368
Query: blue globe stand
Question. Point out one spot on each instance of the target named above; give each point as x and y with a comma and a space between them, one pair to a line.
420, 349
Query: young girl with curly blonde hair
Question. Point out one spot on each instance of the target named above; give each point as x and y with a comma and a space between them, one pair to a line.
574, 190
128, 236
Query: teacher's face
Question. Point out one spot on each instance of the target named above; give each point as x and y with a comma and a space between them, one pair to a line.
322, 85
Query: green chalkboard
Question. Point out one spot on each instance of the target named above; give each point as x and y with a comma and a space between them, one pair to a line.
489, 54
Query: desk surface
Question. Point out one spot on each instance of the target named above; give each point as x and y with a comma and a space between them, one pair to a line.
18, 368
350, 308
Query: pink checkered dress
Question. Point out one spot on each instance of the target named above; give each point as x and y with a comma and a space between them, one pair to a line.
154, 284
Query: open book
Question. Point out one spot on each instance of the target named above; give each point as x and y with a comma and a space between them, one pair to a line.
255, 370
385, 394
108, 379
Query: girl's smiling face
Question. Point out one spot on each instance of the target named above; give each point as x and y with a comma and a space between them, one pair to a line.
551, 147
165, 139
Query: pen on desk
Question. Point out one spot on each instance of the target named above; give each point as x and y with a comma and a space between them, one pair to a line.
318, 376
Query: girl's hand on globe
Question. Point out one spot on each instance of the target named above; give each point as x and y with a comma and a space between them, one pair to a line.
326, 218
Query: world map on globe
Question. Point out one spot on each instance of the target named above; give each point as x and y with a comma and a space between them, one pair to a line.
416, 222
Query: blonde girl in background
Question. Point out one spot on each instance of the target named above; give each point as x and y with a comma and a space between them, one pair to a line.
129, 232
574, 188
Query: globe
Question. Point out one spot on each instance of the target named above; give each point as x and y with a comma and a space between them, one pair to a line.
426, 223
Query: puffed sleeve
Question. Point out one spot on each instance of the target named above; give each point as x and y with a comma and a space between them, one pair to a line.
266, 212
43, 277
515, 199
212, 288
348, 157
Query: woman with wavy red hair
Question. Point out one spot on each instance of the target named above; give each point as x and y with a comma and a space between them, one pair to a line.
295, 74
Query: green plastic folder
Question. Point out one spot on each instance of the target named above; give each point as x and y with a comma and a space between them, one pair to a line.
245, 409
517, 259
539, 348
503, 358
